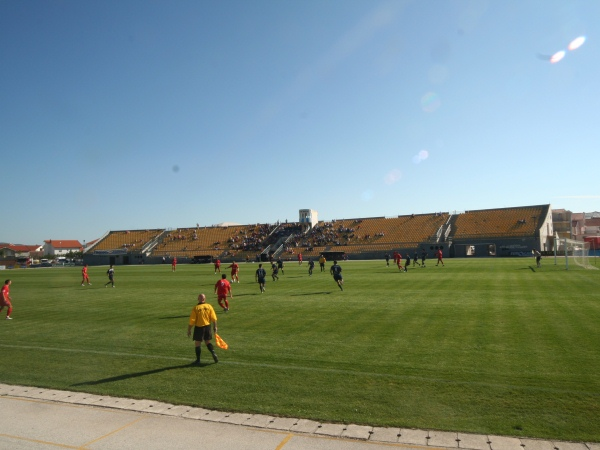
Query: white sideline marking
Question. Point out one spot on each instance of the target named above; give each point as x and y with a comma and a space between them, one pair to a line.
312, 369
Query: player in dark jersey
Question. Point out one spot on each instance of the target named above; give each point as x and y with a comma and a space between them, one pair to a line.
311, 266
111, 276
260, 276
336, 271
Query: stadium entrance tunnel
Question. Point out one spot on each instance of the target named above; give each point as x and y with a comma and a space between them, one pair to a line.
202, 259
334, 256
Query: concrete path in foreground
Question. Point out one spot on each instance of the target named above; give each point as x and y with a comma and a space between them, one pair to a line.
36, 418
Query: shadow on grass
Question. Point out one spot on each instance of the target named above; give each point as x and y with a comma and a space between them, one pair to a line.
527, 268
136, 374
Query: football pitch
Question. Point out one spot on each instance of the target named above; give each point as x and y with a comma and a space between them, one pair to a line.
490, 346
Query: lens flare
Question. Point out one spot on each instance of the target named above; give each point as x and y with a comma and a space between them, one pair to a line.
576, 43
430, 102
557, 57
392, 177
421, 156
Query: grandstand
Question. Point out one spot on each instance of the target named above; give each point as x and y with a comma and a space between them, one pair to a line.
501, 232
490, 232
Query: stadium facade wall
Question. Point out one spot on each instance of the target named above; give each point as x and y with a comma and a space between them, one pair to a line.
486, 247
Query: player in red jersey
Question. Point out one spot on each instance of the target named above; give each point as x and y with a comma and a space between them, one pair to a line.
399, 261
235, 269
439, 255
174, 264
85, 277
5, 299
300, 258
222, 288
217, 266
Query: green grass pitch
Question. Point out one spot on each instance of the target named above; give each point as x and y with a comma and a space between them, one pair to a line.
493, 346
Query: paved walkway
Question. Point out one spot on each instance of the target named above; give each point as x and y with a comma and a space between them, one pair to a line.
35, 418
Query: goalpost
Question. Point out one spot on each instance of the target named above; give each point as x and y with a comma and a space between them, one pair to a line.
575, 252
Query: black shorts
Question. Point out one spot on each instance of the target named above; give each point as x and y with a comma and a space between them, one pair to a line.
338, 278
202, 333
261, 280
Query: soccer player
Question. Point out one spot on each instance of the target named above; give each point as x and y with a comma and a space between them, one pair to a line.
423, 258
439, 255
415, 258
407, 263
311, 266
336, 271
275, 271
322, 261
300, 259
111, 276
201, 317
538, 258
260, 276
85, 276
5, 299
222, 288
387, 260
217, 266
280, 265
174, 264
398, 260
235, 269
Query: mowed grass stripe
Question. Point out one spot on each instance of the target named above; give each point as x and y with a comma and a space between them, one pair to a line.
493, 346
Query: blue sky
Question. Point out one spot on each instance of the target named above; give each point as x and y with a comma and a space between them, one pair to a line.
130, 114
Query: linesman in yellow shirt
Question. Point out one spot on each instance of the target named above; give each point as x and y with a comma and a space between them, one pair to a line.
201, 318
322, 261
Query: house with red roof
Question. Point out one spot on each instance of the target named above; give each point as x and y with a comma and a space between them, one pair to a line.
20, 251
58, 247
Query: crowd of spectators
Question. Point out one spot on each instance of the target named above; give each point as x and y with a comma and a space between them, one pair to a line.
251, 240
329, 234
